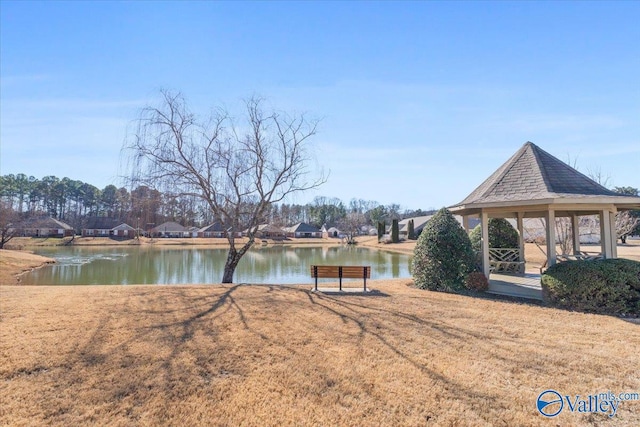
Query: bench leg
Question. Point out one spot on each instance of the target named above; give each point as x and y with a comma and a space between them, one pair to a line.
315, 274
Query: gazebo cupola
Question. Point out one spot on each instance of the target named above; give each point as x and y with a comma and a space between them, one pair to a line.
535, 184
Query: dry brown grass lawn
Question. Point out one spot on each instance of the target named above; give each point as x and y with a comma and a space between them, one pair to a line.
13, 263
270, 355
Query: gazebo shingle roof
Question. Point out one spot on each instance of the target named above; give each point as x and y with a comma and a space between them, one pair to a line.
533, 183
533, 174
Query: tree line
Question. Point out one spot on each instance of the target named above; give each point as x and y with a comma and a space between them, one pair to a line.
75, 202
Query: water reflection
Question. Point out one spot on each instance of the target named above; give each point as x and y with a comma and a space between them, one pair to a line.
145, 265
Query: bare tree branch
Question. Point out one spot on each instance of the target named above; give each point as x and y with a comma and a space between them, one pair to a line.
625, 224
238, 171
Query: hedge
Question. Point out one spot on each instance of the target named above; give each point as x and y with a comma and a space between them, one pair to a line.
607, 286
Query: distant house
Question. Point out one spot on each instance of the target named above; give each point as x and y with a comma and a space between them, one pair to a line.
333, 232
212, 230
43, 227
170, 229
123, 230
268, 231
327, 232
419, 222
302, 230
99, 226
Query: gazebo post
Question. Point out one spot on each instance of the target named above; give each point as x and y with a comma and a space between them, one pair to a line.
605, 234
484, 225
465, 223
614, 235
551, 237
575, 231
519, 220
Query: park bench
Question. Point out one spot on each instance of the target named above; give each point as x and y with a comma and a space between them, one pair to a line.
340, 272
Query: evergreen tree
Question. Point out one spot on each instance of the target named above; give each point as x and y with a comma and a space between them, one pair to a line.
501, 235
395, 231
411, 234
443, 256
381, 227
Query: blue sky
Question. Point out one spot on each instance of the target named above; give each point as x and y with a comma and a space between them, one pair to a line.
420, 101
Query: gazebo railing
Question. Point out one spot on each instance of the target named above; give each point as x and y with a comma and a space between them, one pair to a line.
581, 255
505, 260
504, 255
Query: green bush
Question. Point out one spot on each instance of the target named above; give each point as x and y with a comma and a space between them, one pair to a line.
477, 281
501, 235
443, 256
608, 286
411, 233
395, 231
381, 229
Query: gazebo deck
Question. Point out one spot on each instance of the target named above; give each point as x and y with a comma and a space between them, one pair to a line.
522, 286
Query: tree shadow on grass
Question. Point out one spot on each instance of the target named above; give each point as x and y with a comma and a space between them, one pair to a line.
198, 314
343, 308
495, 345
460, 390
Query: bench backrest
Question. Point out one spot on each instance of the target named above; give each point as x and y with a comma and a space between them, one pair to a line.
336, 271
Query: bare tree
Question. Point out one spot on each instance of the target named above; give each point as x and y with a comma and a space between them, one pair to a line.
596, 174
8, 218
625, 225
239, 171
564, 234
351, 224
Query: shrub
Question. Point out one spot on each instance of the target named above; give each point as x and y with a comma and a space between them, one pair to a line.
411, 234
381, 229
395, 231
609, 286
477, 281
386, 239
443, 256
501, 235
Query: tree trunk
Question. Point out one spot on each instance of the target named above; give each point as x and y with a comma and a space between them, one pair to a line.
229, 269
233, 258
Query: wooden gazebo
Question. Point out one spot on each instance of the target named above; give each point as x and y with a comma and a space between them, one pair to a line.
535, 184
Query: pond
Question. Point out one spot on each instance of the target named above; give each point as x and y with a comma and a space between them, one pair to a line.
154, 265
